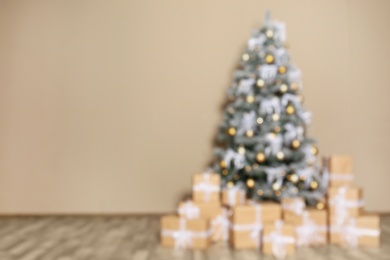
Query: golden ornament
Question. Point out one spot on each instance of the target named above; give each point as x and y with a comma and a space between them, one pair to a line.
260, 192
260, 157
231, 131
250, 99
269, 58
314, 185
280, 155
275, 117
241, 150
222, 164
276, 186
245, 57
248, 168
294, 178
277, 129
225, 172
283, 88
290, 110
295, 144
314, 150
260, 83
320, 205
230, 184
249, 133
260, 120
303, 177
294, 86
282, 69
269, 33
250, 183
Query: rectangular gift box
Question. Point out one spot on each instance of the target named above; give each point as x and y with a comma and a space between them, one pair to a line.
206, 187
247, 223
177, 232
340, 170
233, 196
362, 231
292, 208
280, 236
310, 226
345, 201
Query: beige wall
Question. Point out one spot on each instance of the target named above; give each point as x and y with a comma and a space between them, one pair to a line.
110, 106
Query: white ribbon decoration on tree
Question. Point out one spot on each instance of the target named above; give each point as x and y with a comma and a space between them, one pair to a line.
275, 173
281, 56
245, 86
189, 210
248, 123
275, 143
279, 241
308, 173
294, 75
268, 73
292, 132
280, 31
256, 42
270, 106
290, 98
309, 156
238, 159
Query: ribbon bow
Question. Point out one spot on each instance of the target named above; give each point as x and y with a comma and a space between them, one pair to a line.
189, 210
206, 187
308, 232
248, 123
221, 225
275, 142
351, 233
269, 106
245, 86
238, 159
279, 241
268, 73
232, 195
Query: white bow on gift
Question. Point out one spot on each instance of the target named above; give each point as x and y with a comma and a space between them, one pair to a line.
342, 205
269, 106
238, 159
248, 123
308, 233
232, 195
220, 226
278, 241
256, 42
206, 187
292, 132
275, 143
351, 233
245, 86
189, 210
297, 206
268, 73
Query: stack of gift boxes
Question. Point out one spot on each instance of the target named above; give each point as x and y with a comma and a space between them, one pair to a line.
215, 215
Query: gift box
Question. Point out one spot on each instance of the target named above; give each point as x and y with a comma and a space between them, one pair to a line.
362, 231
293, 208
178, 232
233, 196
310, 227
340, 170
345, 202
206, 187
218, 216
247, 223
279, 239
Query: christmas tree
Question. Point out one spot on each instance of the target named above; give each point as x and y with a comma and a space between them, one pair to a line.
262, 142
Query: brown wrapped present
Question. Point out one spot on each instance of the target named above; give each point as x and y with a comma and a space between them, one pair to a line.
233, 196
344, 202
279, 239
293, 208
177, 232
340, 170
247, 223
206, 187
362, 231
213, 211
310, 227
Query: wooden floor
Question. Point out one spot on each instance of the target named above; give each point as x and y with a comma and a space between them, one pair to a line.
135, 238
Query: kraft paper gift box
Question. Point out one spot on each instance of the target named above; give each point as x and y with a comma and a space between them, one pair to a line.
218, 216
279, 239
247, 223
345, 201
206, 187
340, 170
311, 227
362, 231
182, 233
233, 196
293, 208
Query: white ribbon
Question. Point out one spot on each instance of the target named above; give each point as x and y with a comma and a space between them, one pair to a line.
233, 193
248, 123
290, 98
297, 206
238, 159
306, 117
278, 241
269, 106
281, 56
189, 210
275, 173
309, 156
245, 86
308, 173
206, 187
268, 73
294, 75
256, 42
292, 132
220, 226
309, 232
183, 237
341, 176
275, 143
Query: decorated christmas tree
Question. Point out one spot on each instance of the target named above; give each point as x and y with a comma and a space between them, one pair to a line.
262, 142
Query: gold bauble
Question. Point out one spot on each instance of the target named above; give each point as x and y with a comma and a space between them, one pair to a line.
276, 186
283, 88
277, 129
320, 205
275, 117
269, 33
241, 149
222, 164
314, 150
280, 155
290, 110
314, 185
260, 192
231, 131
250, 99
260, 157
260, 120
230, 184
248, 168
294, 86
260, 83
269, 58
294, 178
295, 144
225, 172
303, 177
245, 57
249, 133
282, 69
250, 183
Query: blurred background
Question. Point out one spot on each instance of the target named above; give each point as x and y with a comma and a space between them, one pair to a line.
111, 106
